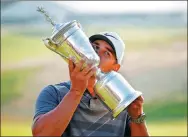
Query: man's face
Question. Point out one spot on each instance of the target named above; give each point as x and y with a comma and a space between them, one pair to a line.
107, 56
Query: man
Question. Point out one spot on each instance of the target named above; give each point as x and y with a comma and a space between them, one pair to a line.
71, 108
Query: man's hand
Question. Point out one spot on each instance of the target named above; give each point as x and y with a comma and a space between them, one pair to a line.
91, 83
135, 109
79, 77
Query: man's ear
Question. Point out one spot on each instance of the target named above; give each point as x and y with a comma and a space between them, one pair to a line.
116, 67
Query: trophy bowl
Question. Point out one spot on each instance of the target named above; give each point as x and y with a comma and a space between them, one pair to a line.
68, 40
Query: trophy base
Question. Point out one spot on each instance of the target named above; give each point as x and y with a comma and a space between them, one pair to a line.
125, 103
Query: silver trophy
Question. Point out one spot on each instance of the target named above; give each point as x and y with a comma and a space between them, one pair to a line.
69, 40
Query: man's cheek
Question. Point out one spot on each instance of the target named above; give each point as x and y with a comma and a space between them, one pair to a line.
101, 64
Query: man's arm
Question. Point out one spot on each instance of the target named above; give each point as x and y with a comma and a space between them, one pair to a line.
54, 122
135, 109
138, 129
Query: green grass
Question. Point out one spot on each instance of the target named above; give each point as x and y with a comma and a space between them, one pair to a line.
15, 48
15, 128
14, 82
168, 128
166, 109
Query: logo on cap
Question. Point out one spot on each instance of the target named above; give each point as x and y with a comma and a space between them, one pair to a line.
106, 34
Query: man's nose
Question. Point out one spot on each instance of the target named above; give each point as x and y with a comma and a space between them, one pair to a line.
98, 51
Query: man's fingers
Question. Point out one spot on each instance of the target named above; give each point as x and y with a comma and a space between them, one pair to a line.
78, 66
137, 103
91, 73
86, 70
140, 98
93, 77
71, 66
133, 106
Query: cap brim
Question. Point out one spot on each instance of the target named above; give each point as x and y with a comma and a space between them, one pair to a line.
102, 37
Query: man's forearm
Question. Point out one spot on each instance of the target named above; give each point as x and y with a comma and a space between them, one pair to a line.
55, 122
138, 129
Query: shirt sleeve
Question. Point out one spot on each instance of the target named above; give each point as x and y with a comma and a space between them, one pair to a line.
127, 128
46, 101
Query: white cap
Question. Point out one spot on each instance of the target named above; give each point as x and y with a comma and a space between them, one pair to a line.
114, 40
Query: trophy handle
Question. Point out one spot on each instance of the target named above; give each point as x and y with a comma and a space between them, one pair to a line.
79, 25
49, 40
49, 43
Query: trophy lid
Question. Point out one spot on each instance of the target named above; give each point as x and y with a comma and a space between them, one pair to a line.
64, 27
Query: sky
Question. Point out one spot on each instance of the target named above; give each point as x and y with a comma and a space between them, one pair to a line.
125, 6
